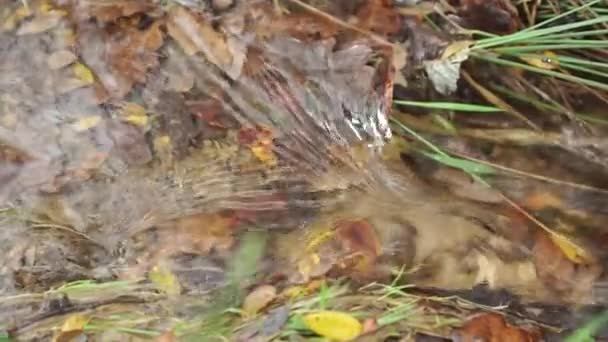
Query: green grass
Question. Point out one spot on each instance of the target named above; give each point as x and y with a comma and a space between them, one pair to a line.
451, 106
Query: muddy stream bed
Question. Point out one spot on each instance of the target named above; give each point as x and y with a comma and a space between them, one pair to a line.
163, 161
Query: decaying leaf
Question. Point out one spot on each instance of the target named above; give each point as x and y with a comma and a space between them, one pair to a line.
39, 24
572, 251
195, 34
128, 55
112, 10
380, 17
258, 299
445, 71
60, 59
168, 336
496, 16
492, 327
555, 267
87, 123
334, 325
71, 328
164, 280
135, 114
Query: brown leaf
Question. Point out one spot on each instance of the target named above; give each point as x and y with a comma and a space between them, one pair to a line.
39, 24
195, 34
258, 299
379, 16
129, 55
495, 16
60, 59
166, 337
560, 273
491, 327
359, 237
111, 11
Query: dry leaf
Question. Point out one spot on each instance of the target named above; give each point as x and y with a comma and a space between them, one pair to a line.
258, 299
60, 59
491, 327
164, 280
495, 16
129, 55
379, 17
195, 34
71, 328
39, 24
111, 11
334, 325
559, 272
444, 72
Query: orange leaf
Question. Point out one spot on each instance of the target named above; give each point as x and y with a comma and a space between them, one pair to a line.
491, 327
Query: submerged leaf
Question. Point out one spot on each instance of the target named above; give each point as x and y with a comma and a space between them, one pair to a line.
334, 325
492, 327
573, 252
258, 299
83, 73
164, 280
71, 328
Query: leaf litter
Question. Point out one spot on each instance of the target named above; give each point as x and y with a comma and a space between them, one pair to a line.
167, 165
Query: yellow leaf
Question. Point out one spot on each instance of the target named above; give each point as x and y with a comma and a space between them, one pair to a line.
334, 325
264, 154
137, 120
86, 123
135, 114
132, 108
71, 328
164, 280
83, 73
548, 60
572, 251
456, 47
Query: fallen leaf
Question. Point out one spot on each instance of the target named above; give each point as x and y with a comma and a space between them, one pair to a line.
112, 10
547, 60
495, 16
380, 17
168, 336
135, 114
334, 325
86, 123
83, 73
359, 237
128, 56
369, 325
195, 34
164, 280
491, 327
558, 272
572, 251
39, 24
60, 59
72, 327
444, 72
258, 299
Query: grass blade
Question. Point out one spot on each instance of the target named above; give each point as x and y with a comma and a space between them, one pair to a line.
454, 106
